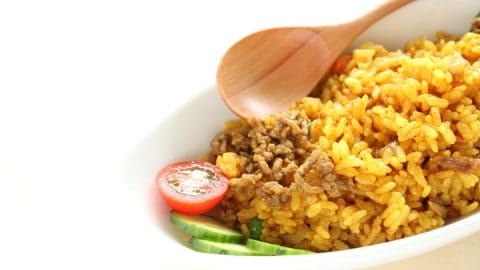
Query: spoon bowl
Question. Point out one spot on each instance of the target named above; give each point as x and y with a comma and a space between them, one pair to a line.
265, 84
267, 71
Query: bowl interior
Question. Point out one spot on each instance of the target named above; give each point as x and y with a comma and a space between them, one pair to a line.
186, 134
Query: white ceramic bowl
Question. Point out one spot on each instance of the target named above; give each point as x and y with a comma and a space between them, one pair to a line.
187, 132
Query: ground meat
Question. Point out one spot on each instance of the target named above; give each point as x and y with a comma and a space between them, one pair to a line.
293, 125
245, 180
262, 164
324, 167
243, 188
338, 186
268, 156
228, 212
275, 160
219, 144
238, 140
300, 151
302, 185
249, 168
290, 168
277, 169
319, 163
274, 194
282, 149
307, 164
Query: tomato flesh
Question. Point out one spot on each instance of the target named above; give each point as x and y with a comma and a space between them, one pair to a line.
192, 187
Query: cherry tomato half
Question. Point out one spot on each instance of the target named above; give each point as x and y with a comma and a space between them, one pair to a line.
192, 187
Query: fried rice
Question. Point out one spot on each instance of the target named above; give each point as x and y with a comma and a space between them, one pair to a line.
385, 150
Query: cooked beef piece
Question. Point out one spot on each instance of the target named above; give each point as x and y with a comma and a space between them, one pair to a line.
437, 206
463, 164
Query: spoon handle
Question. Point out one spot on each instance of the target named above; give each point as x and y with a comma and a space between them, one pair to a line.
377, 13
345, 33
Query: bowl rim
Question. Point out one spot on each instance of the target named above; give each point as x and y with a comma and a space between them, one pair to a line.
362, 257
377, 254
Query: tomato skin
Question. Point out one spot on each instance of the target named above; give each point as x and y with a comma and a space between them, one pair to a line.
340, 64
185, 174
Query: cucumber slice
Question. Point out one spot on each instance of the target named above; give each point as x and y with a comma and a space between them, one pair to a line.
207, 246
272, 249
205, 227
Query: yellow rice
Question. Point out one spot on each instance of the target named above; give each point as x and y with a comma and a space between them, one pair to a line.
425, 99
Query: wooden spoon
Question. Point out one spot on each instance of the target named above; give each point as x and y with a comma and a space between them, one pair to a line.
269, 70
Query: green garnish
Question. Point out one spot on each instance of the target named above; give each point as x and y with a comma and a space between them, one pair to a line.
255, 228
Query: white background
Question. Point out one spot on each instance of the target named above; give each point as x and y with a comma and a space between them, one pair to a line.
81, 82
